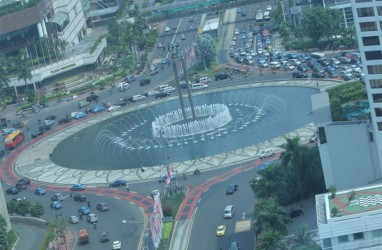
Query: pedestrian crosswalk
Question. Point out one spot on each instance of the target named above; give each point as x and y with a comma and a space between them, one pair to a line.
242, 226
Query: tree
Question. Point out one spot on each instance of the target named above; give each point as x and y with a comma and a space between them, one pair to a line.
291, 159
267, 184
23, 207
332, 189
321, 22
303, 237
271, 239
3, 233
24, 73
59, 226
270, 216
205, 50
37, 210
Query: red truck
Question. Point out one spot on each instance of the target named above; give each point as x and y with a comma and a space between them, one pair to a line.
83, 237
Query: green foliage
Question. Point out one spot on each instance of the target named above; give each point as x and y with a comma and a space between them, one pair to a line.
49, 236
205, 50
17, 6
11, 238
3, 233
37, 210
12, 207
167, 210
95, 45
23, 207
167, 227
174, 201
334, 211
332, 189
271, 239
303, 238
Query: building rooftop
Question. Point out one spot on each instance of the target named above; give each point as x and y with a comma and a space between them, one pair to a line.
333, 3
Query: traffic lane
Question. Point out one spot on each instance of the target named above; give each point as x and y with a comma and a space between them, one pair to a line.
210, 211
30, 236
110, 221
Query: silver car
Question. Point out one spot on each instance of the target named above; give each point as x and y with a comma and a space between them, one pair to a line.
74, 219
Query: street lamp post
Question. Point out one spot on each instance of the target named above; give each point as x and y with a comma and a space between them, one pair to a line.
163, 150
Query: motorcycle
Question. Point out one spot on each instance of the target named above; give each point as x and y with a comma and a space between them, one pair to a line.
196, 172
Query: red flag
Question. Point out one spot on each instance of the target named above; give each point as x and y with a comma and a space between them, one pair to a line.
167, 181
169, 175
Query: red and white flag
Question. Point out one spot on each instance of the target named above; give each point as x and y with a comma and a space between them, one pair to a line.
169, 175
167, 180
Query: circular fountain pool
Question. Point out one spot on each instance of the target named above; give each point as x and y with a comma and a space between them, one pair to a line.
224, 121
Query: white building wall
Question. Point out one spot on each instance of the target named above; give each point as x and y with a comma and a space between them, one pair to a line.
375, 18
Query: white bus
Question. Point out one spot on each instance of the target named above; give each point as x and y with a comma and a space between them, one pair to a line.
317, 55
259, 16
267, 16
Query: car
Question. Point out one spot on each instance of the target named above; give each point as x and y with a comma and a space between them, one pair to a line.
130, 78
78, 187
159, 46
18, 125
12, 191
18, 199
84, 210
267, 153
234, 246
295, 213
167, 29
113, 108
92, 218
269, 8
333, 74
151, 93
104, 237
313, 138
102, 206
7, 131
79, 197
55, 205
221, 230
24, 180
317, 74
231, 189
98, 109
21, 186
302, 68
73, 219
182, 37
329, 68
43, 128
120, 103
163, 178
92, 98
164, 61
64, 120
265, 165
222, 76
161, 95
57, 197
168, 89
117, 245
40, 191
118, 183
37, 133
51, 117
78, 115
144, 82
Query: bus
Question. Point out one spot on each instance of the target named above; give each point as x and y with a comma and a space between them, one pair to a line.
14, 139
267, 16
317, 55
259, 16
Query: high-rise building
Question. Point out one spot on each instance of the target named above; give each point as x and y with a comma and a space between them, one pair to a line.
368, 23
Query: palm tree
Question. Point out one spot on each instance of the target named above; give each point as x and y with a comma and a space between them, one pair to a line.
271, 240
205, 49
25, 73
292, 160
270, 216
267, 184
302, 237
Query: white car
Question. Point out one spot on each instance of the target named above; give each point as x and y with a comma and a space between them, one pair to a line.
113, 108
167, 29
269, 8
232, 43
168, 89
267, 153
151, 93
74, 219
117, 244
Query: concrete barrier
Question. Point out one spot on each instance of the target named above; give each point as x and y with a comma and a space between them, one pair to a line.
29, 220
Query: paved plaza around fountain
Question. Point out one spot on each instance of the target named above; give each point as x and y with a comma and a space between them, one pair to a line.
35, 162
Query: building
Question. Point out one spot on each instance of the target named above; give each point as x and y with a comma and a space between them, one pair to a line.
344, 6
211, 27
25, 23
368, 23
351, 220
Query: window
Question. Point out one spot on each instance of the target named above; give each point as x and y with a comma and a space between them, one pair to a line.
327, 243
322, 135
376, 84
378, 112
370, 40
343, 238
368, 26
358, 236
373, 55
379, 124
377, 98
374, 69
365, 12
377, 233
362, 1
379, 9
371, 136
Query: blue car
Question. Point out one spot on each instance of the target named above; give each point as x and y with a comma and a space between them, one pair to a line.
118, 183
329, 68
164, 60
84, 210
98, 109
55, 205
79, 115
266, 164
40, 191
78, 187
7, 131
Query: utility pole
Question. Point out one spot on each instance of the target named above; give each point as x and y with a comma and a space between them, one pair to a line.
282, 7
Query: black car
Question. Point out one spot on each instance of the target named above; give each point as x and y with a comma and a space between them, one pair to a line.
118, 183
104, 237
302, 68
128, 99
51, 117
64, 120
144, 82
299, 74
79, 197
12, 191
121, 103
161, 95
37, 134
222, 76
44, 128
24, 180
17, 125
92, 98
295, 213
232, 188
21, 186
316, 74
